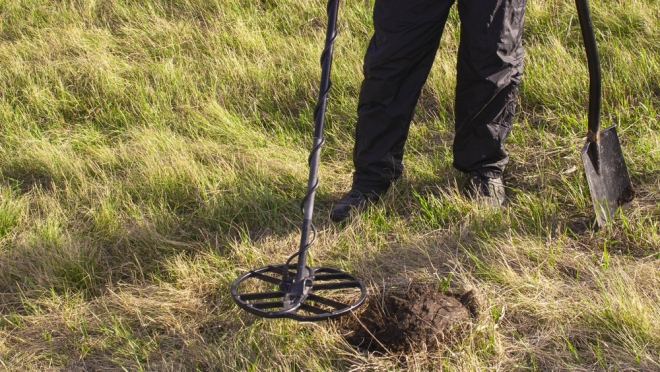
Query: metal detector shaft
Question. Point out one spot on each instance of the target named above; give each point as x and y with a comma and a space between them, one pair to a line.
311, 293
319, 120
593, 61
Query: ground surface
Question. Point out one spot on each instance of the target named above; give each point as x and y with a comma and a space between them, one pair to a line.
152, 151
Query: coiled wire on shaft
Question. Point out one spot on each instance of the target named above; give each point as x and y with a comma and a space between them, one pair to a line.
326, 58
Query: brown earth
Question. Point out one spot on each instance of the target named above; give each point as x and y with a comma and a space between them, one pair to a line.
422, 319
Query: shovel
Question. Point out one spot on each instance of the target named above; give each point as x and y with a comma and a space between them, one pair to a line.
604, 165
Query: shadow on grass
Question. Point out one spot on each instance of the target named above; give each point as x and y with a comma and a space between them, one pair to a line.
86, 252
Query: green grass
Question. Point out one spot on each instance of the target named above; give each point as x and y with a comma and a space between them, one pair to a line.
152, 151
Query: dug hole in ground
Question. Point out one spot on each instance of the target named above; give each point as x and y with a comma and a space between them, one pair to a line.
420, 319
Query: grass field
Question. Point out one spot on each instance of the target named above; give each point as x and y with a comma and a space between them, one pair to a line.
151, 151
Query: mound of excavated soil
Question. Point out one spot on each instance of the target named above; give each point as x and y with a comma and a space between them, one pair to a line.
422, 319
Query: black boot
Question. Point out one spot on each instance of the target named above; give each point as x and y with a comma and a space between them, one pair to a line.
353, 202
486, 190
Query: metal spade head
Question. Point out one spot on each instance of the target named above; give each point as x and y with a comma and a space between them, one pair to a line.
607, 175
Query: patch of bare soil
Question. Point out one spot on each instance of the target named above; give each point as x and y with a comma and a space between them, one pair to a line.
422, 319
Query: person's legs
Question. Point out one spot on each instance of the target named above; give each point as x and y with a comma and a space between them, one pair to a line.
489, 69
396, 65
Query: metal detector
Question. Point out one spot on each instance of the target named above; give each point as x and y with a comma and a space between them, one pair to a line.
298, 291
602, 156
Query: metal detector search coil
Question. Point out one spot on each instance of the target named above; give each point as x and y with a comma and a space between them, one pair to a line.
297, 291
321, 293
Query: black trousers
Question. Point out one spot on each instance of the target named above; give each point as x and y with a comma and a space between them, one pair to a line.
396, 66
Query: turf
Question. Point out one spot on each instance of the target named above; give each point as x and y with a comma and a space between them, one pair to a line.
152, 151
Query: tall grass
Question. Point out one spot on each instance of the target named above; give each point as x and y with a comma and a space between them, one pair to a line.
151, 151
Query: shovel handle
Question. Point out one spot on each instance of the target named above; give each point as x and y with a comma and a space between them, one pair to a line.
594, 69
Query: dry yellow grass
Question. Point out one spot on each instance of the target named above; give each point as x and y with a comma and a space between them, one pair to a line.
152, 151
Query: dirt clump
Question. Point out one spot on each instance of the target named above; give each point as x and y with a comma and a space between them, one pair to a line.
422, 319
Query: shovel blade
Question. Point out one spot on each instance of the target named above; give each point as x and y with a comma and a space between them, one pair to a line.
609, 184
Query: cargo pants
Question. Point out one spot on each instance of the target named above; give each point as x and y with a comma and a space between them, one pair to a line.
397, 63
